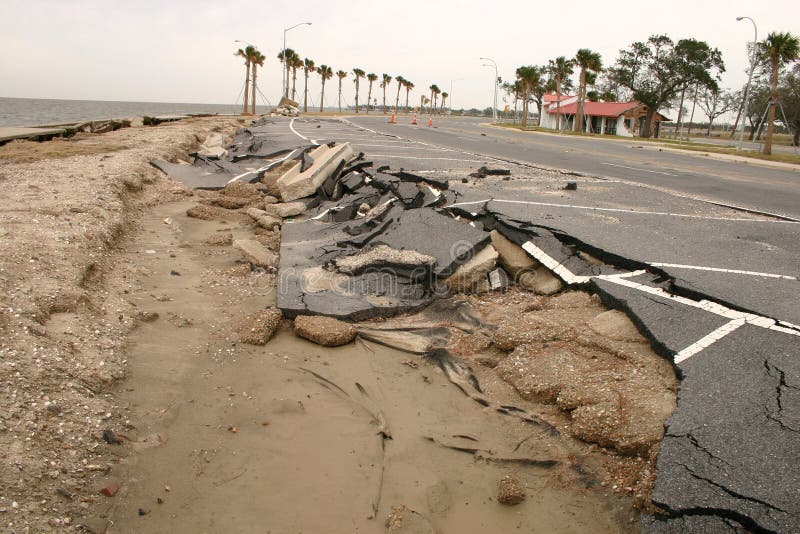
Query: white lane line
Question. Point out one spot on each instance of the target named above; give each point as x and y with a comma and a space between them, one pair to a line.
617, 210
396, 156
549, 262
729, 271
736, 318
291, 127
400, 147
636, 169
708, 340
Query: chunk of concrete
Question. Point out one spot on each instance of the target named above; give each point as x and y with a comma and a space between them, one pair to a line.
498, 279
325, 331
296, 183
540, 281
512, 257
382, 257
471, 277
256, 253
263, 219
285, 209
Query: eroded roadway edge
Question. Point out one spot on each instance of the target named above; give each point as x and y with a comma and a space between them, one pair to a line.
727, 458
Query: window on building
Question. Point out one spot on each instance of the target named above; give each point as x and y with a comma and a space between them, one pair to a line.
611, 126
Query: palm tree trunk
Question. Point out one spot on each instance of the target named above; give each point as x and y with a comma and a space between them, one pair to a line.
340, 95
356, 94
322, 96
578, 126
246, 86
294, 84
384, 99
524, 110
397, 99
369, 96
305, 93
288, 72
773, 99
253, 102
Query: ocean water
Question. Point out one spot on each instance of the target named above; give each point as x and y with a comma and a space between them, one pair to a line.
34, 111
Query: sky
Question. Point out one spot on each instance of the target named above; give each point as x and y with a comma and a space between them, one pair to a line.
183, 51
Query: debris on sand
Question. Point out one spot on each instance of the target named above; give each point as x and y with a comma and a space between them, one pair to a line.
325, 331
509, 491
403, 519
258, 328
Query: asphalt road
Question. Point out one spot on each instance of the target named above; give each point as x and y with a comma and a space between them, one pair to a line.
752, 186
714, 288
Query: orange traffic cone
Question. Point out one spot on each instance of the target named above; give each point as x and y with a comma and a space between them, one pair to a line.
415, 119
430, 121
391, 120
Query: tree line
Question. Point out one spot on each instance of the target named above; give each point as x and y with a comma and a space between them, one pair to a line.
658, 72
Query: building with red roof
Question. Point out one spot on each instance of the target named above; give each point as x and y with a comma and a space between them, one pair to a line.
612, 118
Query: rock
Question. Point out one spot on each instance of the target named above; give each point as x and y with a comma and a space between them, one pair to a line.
258, 328
270, 200
498, 279
263, 219
230, 203
325, 331
147, 316
511, 256
285, 209
541, 281
615, 324
220, 239
509, 491
405, 520
256, 253
207, 213
471, 276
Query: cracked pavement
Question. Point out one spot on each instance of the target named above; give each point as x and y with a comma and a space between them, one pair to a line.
714, 288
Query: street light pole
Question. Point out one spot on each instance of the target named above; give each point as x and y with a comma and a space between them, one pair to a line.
749, 79
494, 108
283, 74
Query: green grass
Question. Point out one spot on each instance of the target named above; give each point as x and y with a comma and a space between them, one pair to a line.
693, 146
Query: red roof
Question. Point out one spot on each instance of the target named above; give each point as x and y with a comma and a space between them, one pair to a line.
597, 109
552, 97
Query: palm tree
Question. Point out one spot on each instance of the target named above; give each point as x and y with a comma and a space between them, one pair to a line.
257, 60
358, 74
371, 77
444, 97
385, 83
308, 67
247, 53
779, 49
285, 57
435, 92
409, 86
560, 68
401, 82
529, 78
295, 63
341, 75
325, 73
587, 61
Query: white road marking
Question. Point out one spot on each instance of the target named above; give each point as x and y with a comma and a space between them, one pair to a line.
708, 340
548, 261
399, 156
406, 147
636, 169
618, 210
291, 127
729, 271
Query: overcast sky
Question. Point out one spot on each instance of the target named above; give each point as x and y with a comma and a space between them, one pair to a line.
182, 51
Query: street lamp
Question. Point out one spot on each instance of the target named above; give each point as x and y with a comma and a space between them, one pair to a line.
451, 92
494, 108
283, 77
746, 100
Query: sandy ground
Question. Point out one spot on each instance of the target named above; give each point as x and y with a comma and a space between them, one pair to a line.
121, 370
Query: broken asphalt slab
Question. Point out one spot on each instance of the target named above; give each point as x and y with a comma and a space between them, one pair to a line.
731, 448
